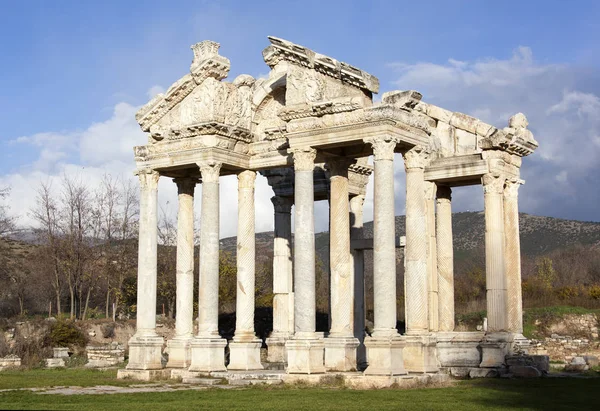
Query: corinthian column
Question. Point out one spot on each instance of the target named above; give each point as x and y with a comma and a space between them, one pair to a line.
208, 348
245, 348
384, 347
179, 347
283, 300
145, 346
445, 258
305, 351
512, 254
358, 264
340, 346
493, 189
420, 352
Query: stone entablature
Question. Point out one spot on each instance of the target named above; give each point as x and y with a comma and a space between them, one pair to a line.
310, 128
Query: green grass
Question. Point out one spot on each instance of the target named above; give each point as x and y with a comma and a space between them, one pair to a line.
540, 394
81, 377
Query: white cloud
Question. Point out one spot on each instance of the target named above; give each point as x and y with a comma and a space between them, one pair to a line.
563, 109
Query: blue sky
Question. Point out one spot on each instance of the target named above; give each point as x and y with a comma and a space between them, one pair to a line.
73, 74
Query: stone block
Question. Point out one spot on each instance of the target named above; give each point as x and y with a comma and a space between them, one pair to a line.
483, 373
55, 363
385, 356
208, 354
179, 351
10, 361
305, 356
524, 371
144, 375
460, 372
541, 362
591, 360
276, 350
340, 354
145, 353
245, 355
60, 352
578, 364
420, 354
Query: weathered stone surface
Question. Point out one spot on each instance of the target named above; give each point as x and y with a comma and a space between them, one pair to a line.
591, 360
524, 371
483, 373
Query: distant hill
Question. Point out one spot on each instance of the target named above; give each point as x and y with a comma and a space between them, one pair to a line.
539, 235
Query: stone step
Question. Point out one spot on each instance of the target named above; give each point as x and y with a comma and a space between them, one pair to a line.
255, 375
274, 366
201, 381
246, 382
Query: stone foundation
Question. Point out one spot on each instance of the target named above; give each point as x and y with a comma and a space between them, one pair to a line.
107, 356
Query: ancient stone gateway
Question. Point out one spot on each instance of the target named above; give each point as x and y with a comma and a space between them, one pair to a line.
310, 128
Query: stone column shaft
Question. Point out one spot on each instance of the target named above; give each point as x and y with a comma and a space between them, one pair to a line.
282, 267
416, 292
184, 322
305, 353
445, 259
432, 269
208, 348
304, 245
147, 255
493, 186
245, 348
208, 293
339, 249
513, 257
384, 346
145, 347
358, 262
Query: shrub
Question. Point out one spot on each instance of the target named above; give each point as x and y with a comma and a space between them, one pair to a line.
594, 291
108, 330
566, 293
64, 333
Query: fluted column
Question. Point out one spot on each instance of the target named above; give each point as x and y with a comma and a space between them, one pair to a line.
179, 347
340, 346
358, 264
420, 350
245, 348
145, 346
305, 351
445, 258
208, 348
513, 256
416, 243
283, 299
493, 188
384, 347
432, 270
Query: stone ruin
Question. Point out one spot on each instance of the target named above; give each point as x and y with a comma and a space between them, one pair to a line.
310, 128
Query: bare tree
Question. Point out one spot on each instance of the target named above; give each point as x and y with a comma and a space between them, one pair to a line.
7, 223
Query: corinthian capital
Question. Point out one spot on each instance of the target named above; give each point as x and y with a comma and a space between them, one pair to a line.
304, 158
148, 178
511, 189
185, 185
282, 204
383, 147
416, 157
493, 183
246, 179
210, 171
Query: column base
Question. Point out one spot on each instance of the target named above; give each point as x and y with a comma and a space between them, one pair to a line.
520, 344
145, 353
420, 353
384, 355
179, 353
494, 348
459, 349
245, 355
305, 356
340, 353
276, 348
208, 354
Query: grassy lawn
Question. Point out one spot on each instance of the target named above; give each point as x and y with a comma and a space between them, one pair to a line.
540, 394
81, 377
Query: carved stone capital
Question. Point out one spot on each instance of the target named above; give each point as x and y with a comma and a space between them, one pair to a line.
511, 189
416, 157
430, 190
282, 204
493, 183
148, 178
246, 179
338, 167
383, 147
210, 171
357, 203
444, 193
304, 158
185, 185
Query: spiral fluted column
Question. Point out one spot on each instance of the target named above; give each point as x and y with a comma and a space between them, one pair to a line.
445, 258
